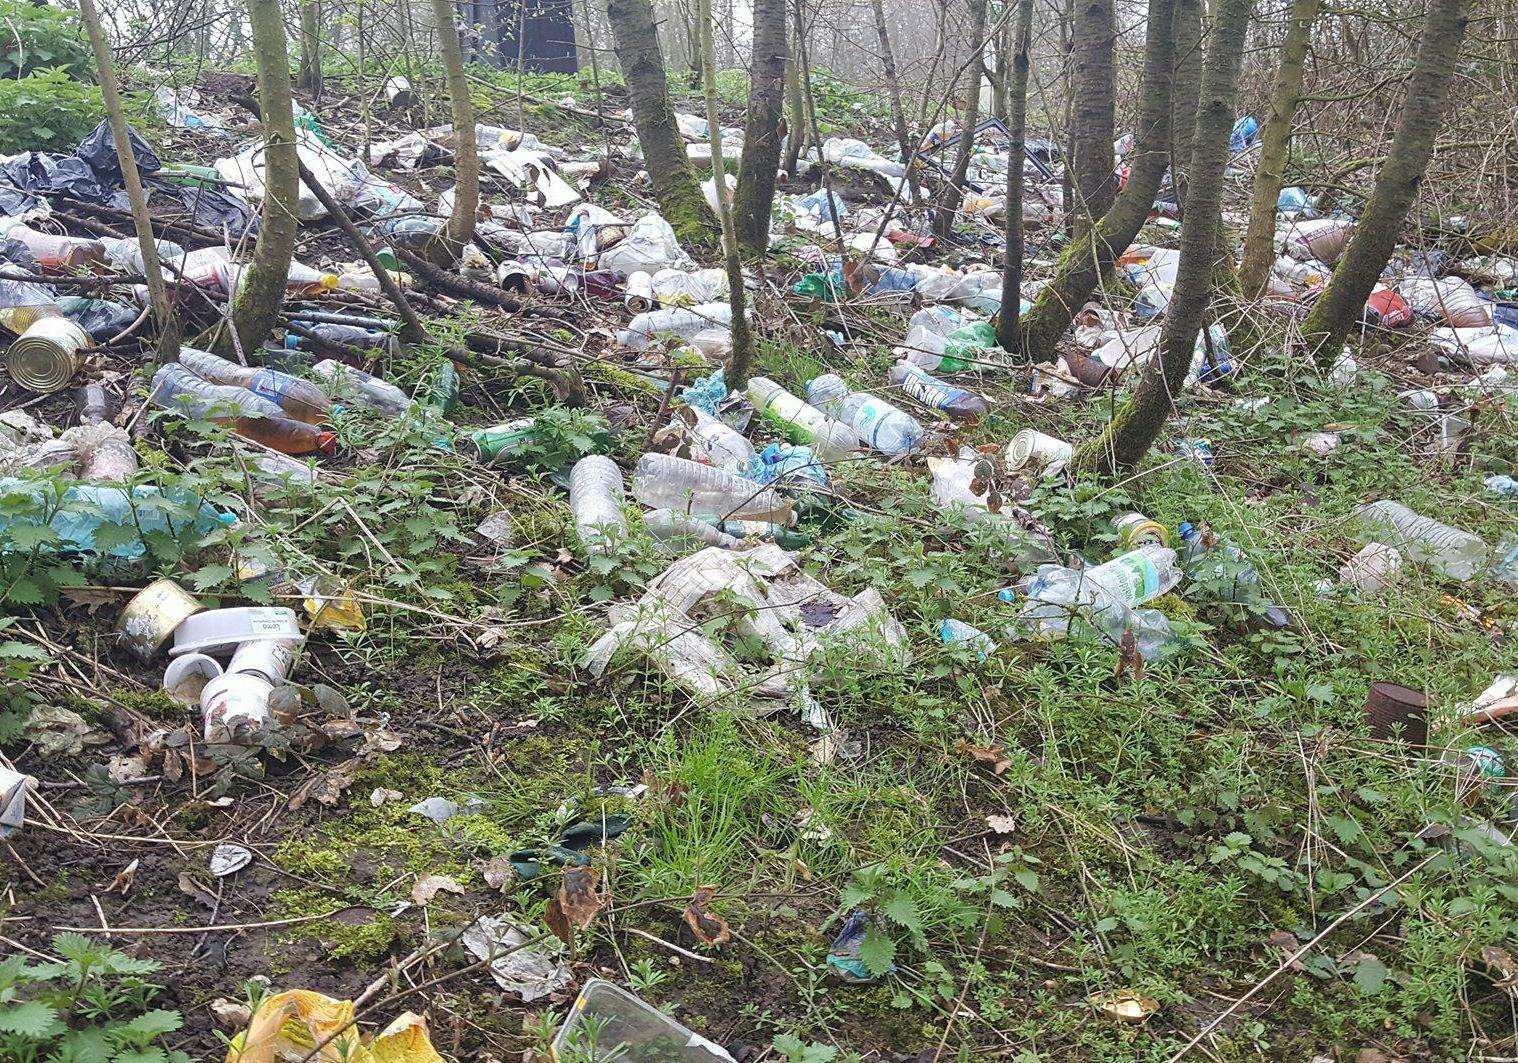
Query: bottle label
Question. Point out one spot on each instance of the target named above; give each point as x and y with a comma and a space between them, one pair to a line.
928, 391
790, 415
271, 385
1135, 577
869, 418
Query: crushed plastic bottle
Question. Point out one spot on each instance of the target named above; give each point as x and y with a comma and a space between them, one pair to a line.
680, 321
876, 422
662, 481
668, 524
360, 388
300, 399
938, 394
84, 507
1107, 597
1225, 569
720, 444
800, 421
596, 493
1449, 551
251, 416
953, 632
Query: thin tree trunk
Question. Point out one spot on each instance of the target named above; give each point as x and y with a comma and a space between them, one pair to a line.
1017, 127
760, 163
741, 358
893, 82
1342, 303
1275, 148
795, 105
952, 193
257, 301
466, 156
311, 47
675, 185
1086, 262
1137, 424
1183, 98
1091, 132
168, 326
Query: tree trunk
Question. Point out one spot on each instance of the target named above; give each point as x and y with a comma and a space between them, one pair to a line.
256, 304
675, 185
1091, 130
742, 356
953, 192
755, 197
1086, 262
168, 326
795, 99
893, 83
1187, 83
1342, 303
1134, 428
311, 47
466, 157
1017, 128
1275, 147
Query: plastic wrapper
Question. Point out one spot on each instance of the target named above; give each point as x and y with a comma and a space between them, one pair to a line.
291, 1024
649, 246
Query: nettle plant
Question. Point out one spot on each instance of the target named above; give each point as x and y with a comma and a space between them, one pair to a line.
90, 1007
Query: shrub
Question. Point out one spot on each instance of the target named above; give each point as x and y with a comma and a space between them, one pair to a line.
51, 111
41, 38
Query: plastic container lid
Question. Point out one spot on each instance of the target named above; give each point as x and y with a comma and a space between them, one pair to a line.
628, 1028
223, 630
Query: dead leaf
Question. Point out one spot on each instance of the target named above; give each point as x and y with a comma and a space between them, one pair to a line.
709, 927
498, 873
124, 768
430, 886
380, 796
994, 757
230, 1014
1002, 824
577, 902
91, 598
192, 887
327, 788
1126, 1005
122, 883
1504, 968
1129, 659
1288, 943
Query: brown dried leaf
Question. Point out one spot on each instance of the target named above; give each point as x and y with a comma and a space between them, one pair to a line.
709, 927
558, 922
91, 598
1504, 968
327, 788
122, 883
1129, 659
429, 886
1002, 824
577, 902
190, 886
994, 757
498, 873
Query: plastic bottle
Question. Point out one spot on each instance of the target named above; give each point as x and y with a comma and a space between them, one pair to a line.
442, 391
1449, 551
336, 334
125, 254
250, 416
876, 422
1226, 569
800, 421
85, 507
669, 524
300, 399
595, 502
1107, 596
662, 481
105, 452
361, 388
93, 404
58, 252
940, 395
681, 321
721, 445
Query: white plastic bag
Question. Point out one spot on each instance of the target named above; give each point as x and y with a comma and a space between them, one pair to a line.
650, 246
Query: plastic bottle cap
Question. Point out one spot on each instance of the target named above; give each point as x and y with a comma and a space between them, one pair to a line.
1186, 530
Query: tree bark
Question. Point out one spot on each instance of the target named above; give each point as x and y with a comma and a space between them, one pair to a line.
168, 326
952, 193
893, 82
1187, 82
741, 358
466, 156
1136, 425
256, 303
1086, 262
1275, 148
1095, 37
311, 47
675, 186
1342, 303
760, 162
795, 99
1017, 130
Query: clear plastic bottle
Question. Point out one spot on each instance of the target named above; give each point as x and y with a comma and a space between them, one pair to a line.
720, 444
876, 422
93, 404
340, 335
250, 416
1226, 570
58, 252
596, 494
1108, 596
1449, 551
662, 481
681, 321
125, 253
105, 452
938, 394
361, 388
300, 399
800, 421
669, 524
